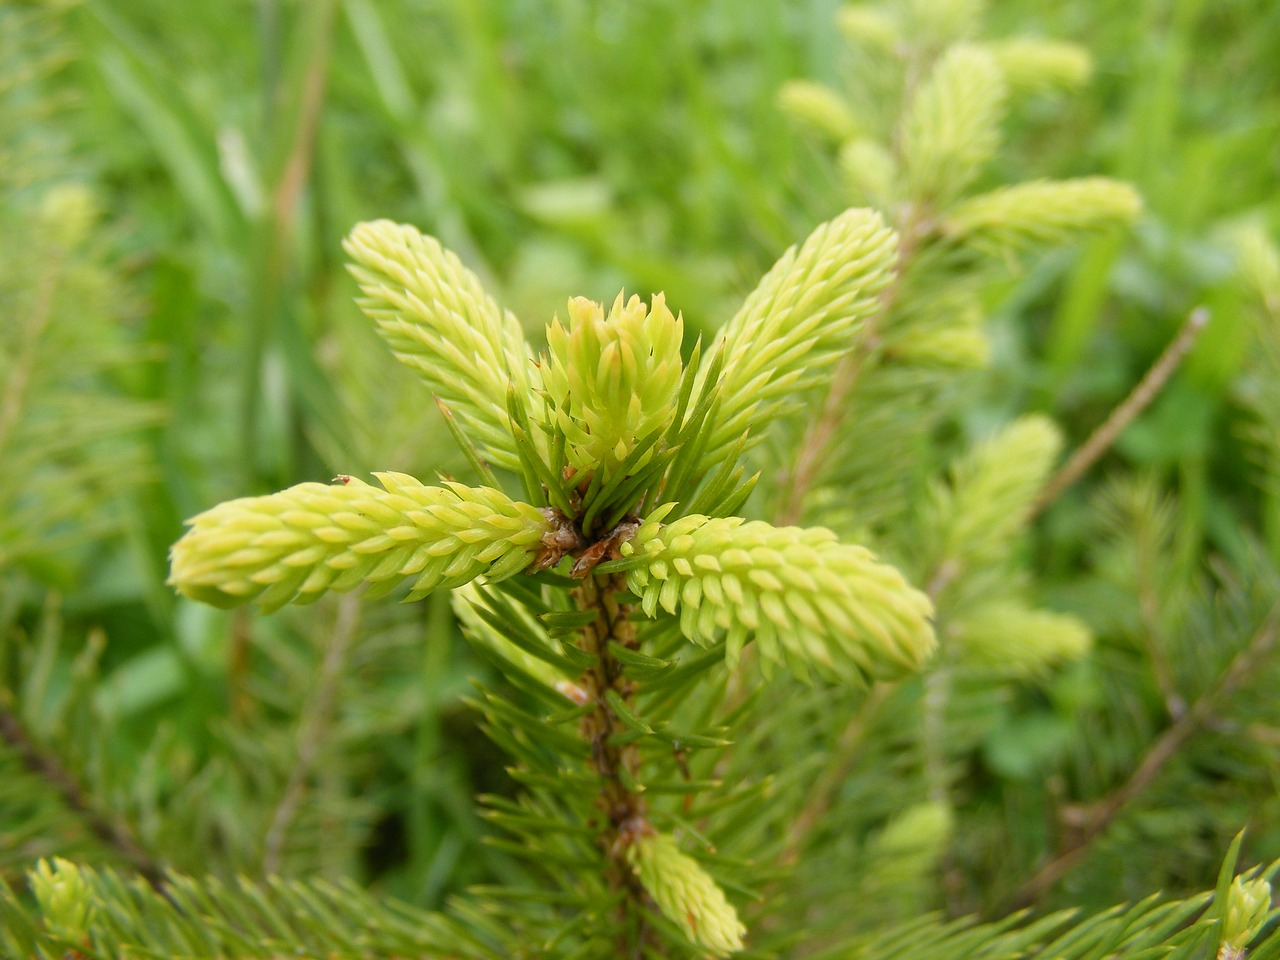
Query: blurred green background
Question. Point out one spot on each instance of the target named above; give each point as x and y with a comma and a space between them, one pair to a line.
176, 180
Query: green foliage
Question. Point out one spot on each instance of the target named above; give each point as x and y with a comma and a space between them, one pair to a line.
808, 599
799, 320
343, 921
438, 320
951, 129
297, 544
1096, 720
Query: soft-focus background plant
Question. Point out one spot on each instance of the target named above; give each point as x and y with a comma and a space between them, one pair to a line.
178, 329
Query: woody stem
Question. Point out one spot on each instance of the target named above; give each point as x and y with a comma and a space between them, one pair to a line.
616, 763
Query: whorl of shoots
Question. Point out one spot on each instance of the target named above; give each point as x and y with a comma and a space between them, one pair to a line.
301, 542
1018, 640
818, 107
1042, 213
801, 317
686, 894
438, 320
612, 380
810, 602
952, 127
1033, 66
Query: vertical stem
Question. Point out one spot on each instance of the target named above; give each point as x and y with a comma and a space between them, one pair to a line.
617, 765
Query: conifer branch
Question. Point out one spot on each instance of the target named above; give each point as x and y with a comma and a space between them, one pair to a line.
616, 764
839, 766
815, 448
44, 765
1137, 401
1095, 819
312, 729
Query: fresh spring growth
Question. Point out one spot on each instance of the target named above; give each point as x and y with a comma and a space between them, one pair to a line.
612, 381
64, 898
858, 617
686, 894
952, 126
1041, 213
295, 545
1012, 638
610, 384
819, 107
1032, 66
1248, 904
628, 466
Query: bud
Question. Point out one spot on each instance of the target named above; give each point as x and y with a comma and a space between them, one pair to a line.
1041, 66
686, 894
957, 347
818, 107
1018, 640
1258, 260
64, 898
801, 317
952, 127
1248, 903
938, 22
869, 27
612, 381
993, 488
68, 212
923, 828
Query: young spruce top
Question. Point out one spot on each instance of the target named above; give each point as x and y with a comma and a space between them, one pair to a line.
628, 461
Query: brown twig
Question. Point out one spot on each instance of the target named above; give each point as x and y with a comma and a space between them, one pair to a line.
313, 725
45, 765
1137, 401
625, 811
1099, 816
